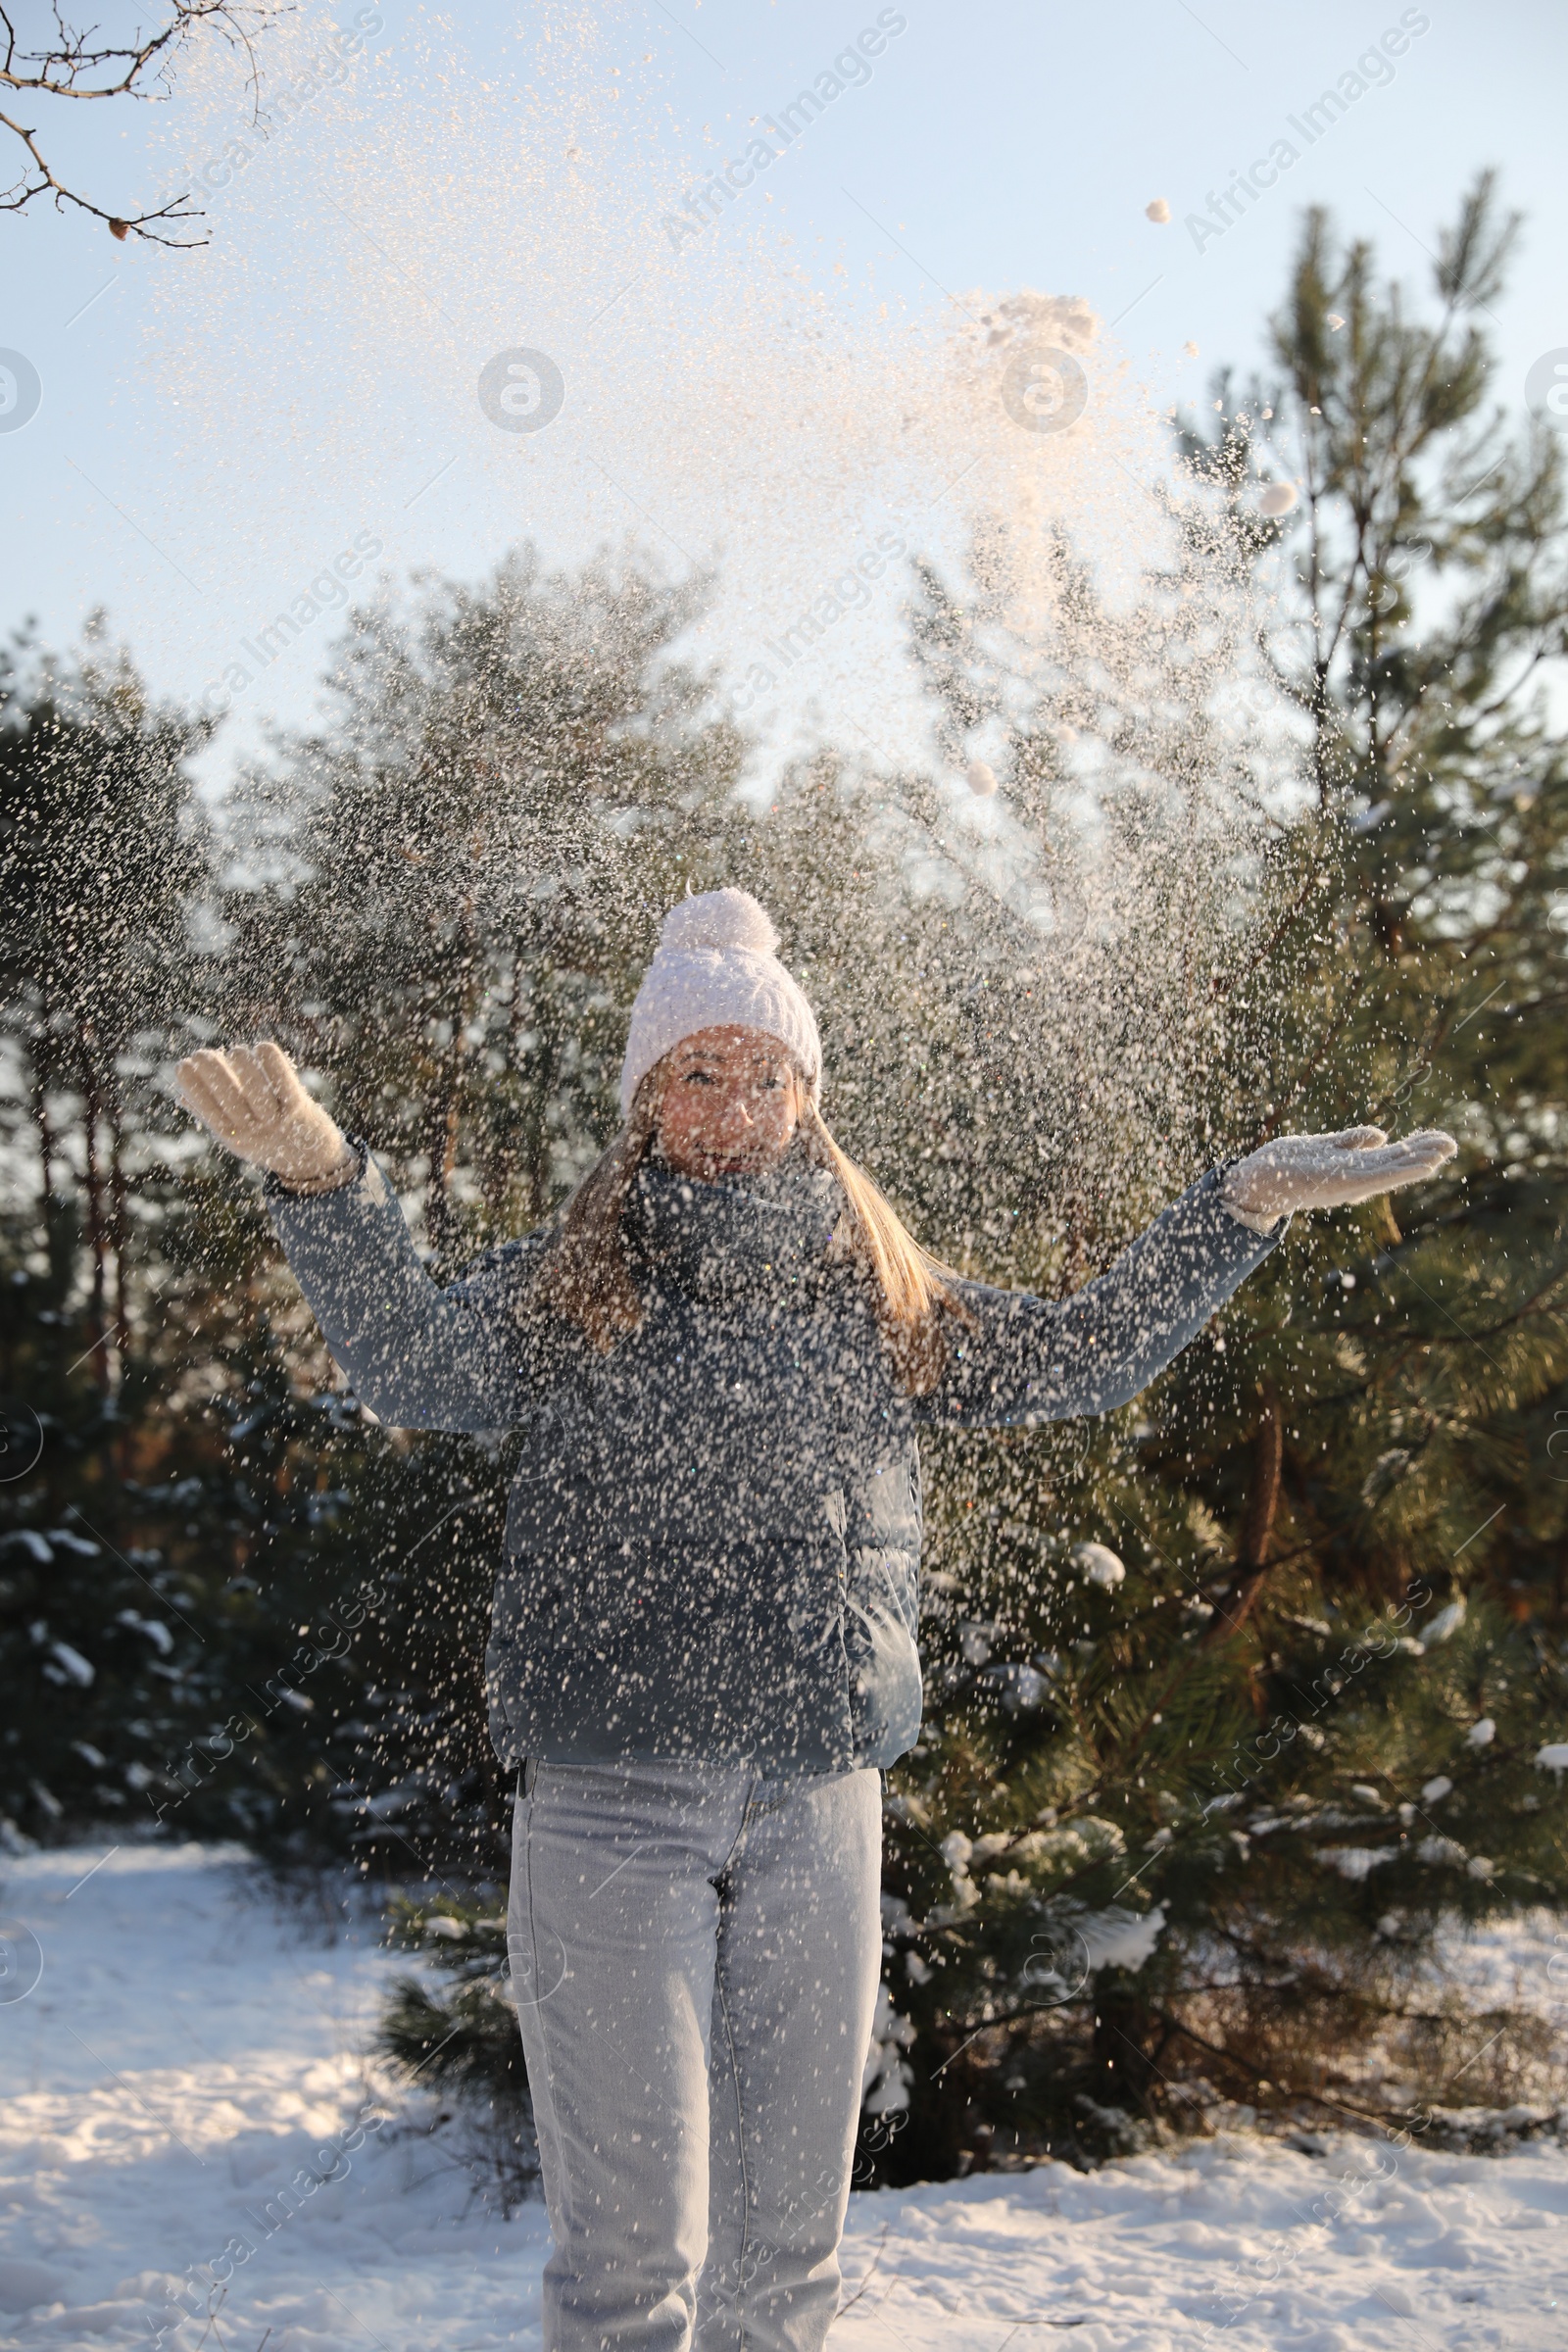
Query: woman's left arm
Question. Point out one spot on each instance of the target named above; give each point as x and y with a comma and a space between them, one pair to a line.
1027, 1359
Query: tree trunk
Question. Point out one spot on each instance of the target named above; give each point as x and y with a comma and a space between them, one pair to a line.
446, 1106
118, 1221
1129, 2038
545, 1064
537, 1163
97, 1227
441, 1145
1257, 1533
39, 1107
118, 1225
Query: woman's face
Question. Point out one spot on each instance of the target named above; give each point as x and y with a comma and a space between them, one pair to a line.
728, 1103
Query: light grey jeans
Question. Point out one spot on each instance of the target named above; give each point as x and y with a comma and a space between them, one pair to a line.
695, 1954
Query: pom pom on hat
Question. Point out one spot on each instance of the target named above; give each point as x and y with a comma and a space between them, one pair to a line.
715, 967
719, 918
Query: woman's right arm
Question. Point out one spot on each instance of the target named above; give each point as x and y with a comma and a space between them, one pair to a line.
421, 1357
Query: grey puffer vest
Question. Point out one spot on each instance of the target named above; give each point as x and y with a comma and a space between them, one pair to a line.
714, 1535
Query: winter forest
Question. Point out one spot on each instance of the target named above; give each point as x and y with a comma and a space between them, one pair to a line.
1236, 1817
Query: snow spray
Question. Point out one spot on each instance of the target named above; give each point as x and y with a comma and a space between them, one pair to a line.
443, 312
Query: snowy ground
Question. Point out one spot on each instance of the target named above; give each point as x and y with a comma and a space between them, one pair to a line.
189, 2051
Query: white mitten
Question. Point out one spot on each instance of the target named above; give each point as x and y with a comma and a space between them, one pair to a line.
251, 1101
1326, 1171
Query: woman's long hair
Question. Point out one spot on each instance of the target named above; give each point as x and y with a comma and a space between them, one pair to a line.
588, 1278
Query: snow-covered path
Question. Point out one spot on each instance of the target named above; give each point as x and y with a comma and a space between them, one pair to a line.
186, 2072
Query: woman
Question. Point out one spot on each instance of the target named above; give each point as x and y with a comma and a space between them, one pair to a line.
703, 1640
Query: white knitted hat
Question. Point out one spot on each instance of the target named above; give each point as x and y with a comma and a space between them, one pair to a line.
714, 965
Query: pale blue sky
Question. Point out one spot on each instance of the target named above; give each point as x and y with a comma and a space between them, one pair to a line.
216, 427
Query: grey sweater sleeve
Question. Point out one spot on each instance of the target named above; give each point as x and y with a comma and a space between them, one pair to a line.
420, 1356
1031, 1359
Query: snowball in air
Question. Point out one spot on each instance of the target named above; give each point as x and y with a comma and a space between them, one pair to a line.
1277, 498
1482, 1733
982, 779
1158, 210
1098, 1563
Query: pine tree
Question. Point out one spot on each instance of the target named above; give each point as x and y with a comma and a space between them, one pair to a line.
101, 854
1284, 1709
464, 865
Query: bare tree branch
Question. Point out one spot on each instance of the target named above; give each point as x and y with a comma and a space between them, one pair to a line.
72, 67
